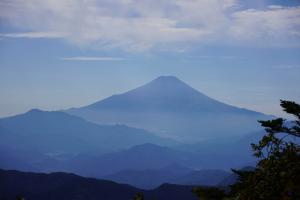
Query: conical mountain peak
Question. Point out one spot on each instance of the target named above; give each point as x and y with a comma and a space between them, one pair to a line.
164, 87
165, 93
167, 79
36, 110
172, 108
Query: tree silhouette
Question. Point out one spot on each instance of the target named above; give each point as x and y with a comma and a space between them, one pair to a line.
277, 173
209, 193
20, 197
138, 196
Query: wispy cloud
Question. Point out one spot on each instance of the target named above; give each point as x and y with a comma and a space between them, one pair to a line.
224, 57
153, 24
79, 58
286, 67
34, 35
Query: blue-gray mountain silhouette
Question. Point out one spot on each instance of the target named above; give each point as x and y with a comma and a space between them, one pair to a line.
36, 186
42, 137
149, 159
55, 141
58, 141
175, 174
140, 157
170, 107
149, 178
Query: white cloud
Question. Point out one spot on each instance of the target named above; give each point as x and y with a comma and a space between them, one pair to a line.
80, 58
150, 24
276, 26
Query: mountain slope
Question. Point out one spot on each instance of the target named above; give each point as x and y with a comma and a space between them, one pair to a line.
202, 177
170, 107
149, 178
174, 174
166, 93
62, 132
140, 157
41, 136
152, 158
65, 186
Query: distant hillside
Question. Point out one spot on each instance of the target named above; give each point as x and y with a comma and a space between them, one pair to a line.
172, 108
203, 177
63, 186
151, 178
31, 150
55, 132
149, 158
140, 157
39, 137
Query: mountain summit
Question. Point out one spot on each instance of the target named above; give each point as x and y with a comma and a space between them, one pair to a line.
165, 93
171, 108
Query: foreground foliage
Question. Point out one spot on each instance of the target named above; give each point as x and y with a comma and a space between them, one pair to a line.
210, 193
277, 173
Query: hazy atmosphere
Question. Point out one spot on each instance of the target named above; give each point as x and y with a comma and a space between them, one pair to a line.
149, 99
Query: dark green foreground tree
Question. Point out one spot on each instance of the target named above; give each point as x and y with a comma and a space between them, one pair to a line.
210, 193
138, 196
277, 173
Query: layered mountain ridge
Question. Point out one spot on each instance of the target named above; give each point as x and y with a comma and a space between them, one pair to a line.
139, 133
50, 137
35, 186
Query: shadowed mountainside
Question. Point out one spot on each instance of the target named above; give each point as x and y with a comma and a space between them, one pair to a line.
63, 186
148, 157
174, 174
42, 140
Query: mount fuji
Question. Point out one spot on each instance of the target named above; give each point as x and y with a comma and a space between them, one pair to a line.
171, 108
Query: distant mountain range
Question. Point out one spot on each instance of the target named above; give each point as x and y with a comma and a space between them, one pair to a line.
149, 178
149, 165
173, 174
56, 141
162, 132
140, 157
169, 107
63, 186
57, 132
44, 141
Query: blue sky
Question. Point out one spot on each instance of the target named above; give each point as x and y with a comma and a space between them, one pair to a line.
57, 54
